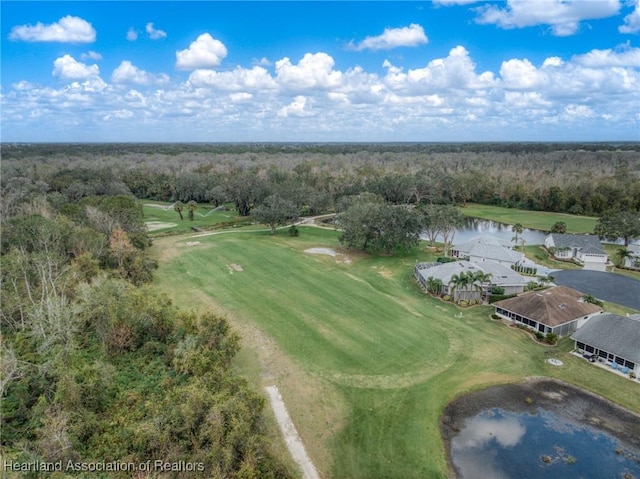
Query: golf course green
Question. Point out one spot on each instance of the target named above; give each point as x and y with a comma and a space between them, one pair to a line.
365, 361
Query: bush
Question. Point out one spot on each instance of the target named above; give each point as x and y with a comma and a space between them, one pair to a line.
539, 336
463, 303
495, 316
497, 290
551, 338
497, 297
446, 297
293, 230
445, 259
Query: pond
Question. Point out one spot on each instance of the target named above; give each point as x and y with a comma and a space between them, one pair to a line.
474, 227
541, 428
498, 444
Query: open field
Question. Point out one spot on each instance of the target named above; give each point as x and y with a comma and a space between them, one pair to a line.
365, 362
539, 220
160, 217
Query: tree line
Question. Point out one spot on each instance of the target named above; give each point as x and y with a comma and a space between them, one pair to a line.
99, 367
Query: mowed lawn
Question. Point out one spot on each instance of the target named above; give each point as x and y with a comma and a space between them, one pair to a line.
540, 220
381, 355
162, 218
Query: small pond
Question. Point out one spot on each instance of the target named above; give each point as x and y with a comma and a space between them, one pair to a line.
499, 444
540, 429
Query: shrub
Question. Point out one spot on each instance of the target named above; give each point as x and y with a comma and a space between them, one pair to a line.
495, 316
446, 297
463, 303
497, 290
293, 230
551, 338
445, 259
539, 336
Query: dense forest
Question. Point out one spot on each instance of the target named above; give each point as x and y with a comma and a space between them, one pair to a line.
97, 366
587, 179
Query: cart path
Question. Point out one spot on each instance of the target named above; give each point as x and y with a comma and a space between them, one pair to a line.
291, 436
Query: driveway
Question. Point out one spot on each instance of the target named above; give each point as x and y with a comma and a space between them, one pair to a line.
610, 287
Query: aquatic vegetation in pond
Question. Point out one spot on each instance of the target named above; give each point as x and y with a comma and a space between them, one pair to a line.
503, 445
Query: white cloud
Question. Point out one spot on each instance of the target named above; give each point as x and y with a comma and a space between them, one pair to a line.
563, 16
153, 33
67, 30
68, 68
410, 36
132, 34
314, 70
204, 52
256, 78
297, 108
632, 20
91, 55
521, 74
129, 73
629, 57
456, 71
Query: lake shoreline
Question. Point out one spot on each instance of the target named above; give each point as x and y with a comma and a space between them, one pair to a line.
569, 402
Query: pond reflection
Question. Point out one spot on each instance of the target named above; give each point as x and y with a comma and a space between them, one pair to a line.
502, 445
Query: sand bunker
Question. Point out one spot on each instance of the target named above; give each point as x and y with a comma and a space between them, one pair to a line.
159, 225
235, 267
327, 251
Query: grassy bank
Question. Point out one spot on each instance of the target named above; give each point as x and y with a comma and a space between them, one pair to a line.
540, 220
365, 361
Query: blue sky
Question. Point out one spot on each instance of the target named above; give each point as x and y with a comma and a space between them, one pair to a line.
447, 70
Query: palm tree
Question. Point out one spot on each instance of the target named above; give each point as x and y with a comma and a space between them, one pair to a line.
517, 229
191, 206
178, 207
479, 279
434, 286
456, 283
624, 253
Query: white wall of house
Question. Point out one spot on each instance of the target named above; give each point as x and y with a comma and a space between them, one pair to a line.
592, 258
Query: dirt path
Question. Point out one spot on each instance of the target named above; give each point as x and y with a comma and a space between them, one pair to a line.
291, 436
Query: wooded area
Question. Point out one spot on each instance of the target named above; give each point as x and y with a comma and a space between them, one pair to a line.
97, 366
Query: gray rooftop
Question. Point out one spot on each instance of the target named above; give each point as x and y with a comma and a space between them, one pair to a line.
500, 275
586, 243
490, 248
614, 334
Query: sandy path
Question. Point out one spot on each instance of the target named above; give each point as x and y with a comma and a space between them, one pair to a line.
291, 436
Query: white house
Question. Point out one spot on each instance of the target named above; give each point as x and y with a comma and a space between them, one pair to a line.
488, 248
612, 339
634, 260
584, 248
501, 276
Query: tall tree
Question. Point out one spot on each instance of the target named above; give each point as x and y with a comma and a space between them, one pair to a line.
620, 224
275, 211
559, 227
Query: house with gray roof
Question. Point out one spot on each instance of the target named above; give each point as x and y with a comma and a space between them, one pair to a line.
613, 339
634, 260
488, 248
584, 248
559, 310
501, 276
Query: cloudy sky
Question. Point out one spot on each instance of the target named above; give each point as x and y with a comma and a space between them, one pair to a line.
447, 70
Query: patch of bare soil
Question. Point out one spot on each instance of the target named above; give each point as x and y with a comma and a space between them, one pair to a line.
235, 267
158, 225
193, 243
562, 399
340, 257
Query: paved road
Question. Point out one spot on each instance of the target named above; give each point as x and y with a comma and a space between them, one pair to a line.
606, 286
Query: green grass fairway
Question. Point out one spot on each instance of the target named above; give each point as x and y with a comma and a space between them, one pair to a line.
161, 217
539, 220
371, 362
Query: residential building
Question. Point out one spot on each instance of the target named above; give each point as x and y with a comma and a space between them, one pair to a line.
559, 310
612, 339
488, 248
634, 260
584, 248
